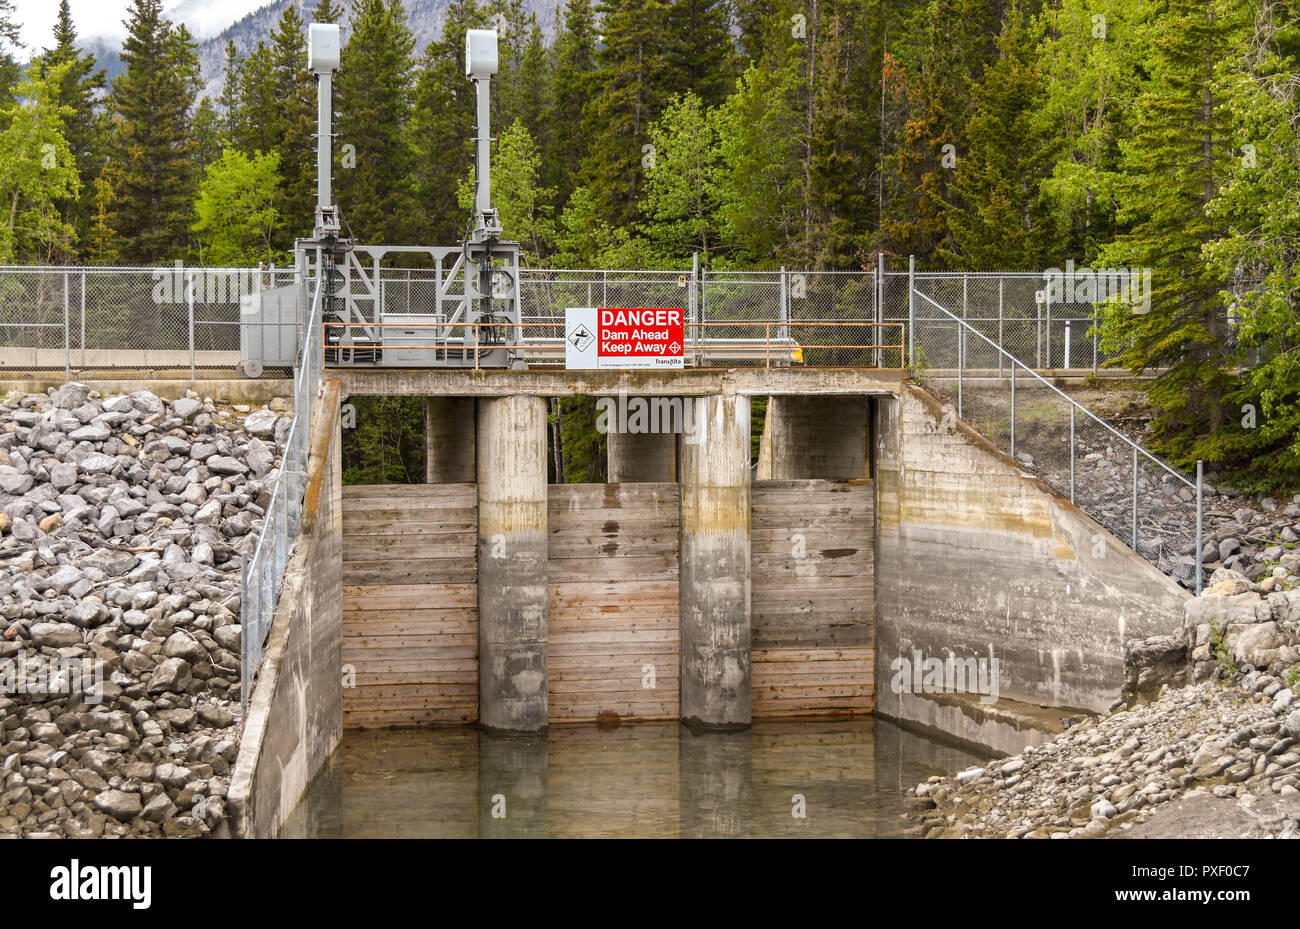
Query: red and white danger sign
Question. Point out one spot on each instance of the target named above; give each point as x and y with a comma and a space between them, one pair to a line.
624, 337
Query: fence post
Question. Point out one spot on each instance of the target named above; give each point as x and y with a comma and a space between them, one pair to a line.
1001, 341
911, 313
880, 305
1135, 498
1071, 452
961, 332
961, 365
1200, 519
1066, 363
67, 332
1013, 410
83, 318
190, 305
1038, 334
784, 312
1094, 341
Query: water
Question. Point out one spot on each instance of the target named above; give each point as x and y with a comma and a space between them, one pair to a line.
644, 780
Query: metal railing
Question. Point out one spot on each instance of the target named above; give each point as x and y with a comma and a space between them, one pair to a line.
1120, 484
762, 343
263, 573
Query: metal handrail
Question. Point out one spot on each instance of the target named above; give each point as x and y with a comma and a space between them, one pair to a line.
1074, 406
262, 575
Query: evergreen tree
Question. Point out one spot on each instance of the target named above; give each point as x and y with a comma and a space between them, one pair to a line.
327, 11
10, 69
101, 246
841, 124
1167, 178
442, 125
1259, 251
998, 217
533, 84
919, 171
698, 53
229, 101
152, 139
83, 125
572, 87
295, 123
1091, 63
630, 93
207, 135
761, 205
374, 117
257, 121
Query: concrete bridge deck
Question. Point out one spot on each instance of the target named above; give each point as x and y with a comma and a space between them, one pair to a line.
550, 382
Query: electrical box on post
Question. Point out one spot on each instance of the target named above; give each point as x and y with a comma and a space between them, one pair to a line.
480, 53
323, 47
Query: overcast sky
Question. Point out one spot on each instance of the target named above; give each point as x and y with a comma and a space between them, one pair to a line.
103, 18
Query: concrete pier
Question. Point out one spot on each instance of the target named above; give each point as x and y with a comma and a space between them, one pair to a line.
815, 438
449, 444
715, 566
512, 553
641, 458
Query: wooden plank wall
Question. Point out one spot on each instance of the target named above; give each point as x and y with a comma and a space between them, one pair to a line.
410, 604
613, 600
813, 616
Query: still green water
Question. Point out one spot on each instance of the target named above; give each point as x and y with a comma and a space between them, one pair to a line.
643, 780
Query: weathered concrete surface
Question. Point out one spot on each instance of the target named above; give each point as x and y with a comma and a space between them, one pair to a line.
1006, 726
640, 458
295, 717
449, 444
815, 438
512, 554
978, 559
255, 392
715, 566
91, 359
554, 382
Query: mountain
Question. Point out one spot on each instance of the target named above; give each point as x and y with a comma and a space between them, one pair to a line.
425, 17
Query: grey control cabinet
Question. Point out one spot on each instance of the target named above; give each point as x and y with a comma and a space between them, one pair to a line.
268, 330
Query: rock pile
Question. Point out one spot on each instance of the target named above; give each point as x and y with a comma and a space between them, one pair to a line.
1104, 774
122, 523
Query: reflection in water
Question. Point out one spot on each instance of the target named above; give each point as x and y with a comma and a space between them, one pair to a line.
652, 779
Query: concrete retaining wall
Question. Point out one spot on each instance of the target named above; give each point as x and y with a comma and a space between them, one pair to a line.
978, 559
256, 391
295, 717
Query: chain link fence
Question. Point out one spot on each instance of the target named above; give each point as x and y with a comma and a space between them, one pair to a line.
263, 572
111, 318
79, 319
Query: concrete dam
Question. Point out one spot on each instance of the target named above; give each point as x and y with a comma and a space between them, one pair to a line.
874, 531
